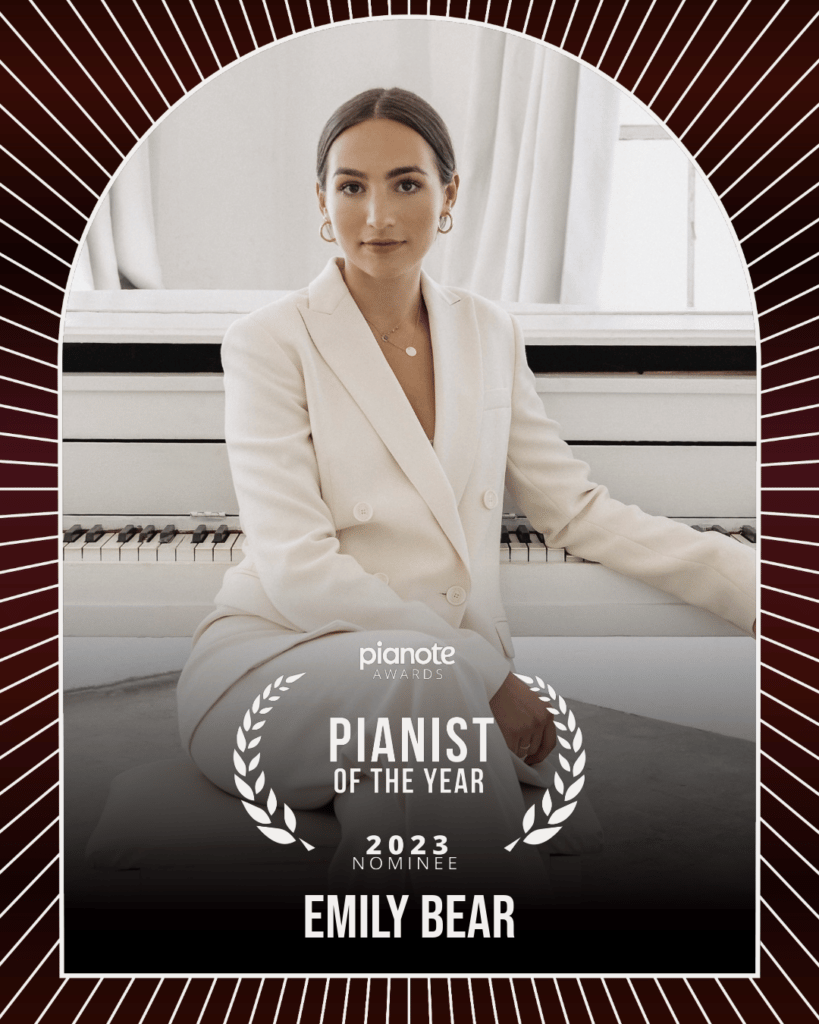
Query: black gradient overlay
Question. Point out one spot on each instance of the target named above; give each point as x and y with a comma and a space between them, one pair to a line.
76, 98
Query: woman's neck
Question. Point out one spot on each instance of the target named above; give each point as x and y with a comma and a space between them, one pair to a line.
384, 303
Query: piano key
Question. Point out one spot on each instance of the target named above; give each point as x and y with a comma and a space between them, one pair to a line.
716, 528
748, 532
221, 535
109, 552
575, 559
166, 551
73, 534
518, 551
537, 547
237, 552
94, 534
125, 535
72, 551
555, 554
129, 551
505, 549
202, 551
185, 550
147, 532
148, 548
91, 551
223, 551
199, 534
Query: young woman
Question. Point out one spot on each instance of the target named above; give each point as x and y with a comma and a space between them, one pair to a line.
372, 420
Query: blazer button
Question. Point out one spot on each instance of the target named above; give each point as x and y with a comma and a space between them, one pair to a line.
456, 595
382, 576
490, 499
363, 512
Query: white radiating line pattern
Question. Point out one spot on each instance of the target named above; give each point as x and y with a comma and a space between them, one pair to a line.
785, 705
634, 39
790, 383
682, 53
790, 739
764, 118
117, 71
665, 1000
560, 997
798, 895
91, 995
142, 63
707, 61
492, 997
50, 152
182, 996
753, 89
614, 1008
41, 833
124, 994
205, 34
250, 27
429, 999
28, 979
28, 330
725, 80
612, 33
775, 182
766, 1000
697, 1001
53, 117
28, 270
526, 19
637, 999
730, 1000
660, 42
39, 671
85, 71
514, 999
786, 302
323, 1001
79, 106
537, 1000
233, 998
779, 671
31, 302
588, 31
449, 993
787, 330
39, 213
36, 878
568, 23
270, 20
33, 703
790, 980
207, 1000
773, 218
181, 36
227, 29
281, 996
30, 928
154, 994
792, 848
786, 805
770, 280
22, 234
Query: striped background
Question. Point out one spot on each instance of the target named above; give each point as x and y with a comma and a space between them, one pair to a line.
81, 84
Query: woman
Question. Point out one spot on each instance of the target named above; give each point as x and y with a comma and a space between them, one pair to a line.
371, 421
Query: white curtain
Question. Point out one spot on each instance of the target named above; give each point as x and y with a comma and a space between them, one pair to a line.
232, 169
121, 242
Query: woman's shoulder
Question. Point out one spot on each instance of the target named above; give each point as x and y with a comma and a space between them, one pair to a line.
484, 309
278, 321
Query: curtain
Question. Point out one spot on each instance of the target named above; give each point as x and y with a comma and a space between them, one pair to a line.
232, 169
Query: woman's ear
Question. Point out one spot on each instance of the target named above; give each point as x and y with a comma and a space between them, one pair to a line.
451, 191
320, 197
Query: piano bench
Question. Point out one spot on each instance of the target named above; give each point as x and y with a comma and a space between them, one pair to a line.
193, 844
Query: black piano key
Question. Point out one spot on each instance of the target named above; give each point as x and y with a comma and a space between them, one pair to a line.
716, 528
147, 533
221, 534
748, 532
199, 534
168, 534
125, 535
94, 534
540, 537
699, 528
523, 534
73, 534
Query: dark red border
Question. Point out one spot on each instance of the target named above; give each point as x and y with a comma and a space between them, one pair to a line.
55, 181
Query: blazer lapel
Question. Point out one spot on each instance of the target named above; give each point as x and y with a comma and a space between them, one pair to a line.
341, 334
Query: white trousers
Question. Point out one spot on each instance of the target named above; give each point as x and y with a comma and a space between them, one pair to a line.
296, 758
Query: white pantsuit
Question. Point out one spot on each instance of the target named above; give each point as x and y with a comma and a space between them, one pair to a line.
356, 524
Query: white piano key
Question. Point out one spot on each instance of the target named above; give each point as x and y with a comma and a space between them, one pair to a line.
743, 540
237, 551
92, 551
185, 550
148, 549
72, 552
203, 552
555, 554
129, 551
538, 551
167, 552
518, 551
222, 552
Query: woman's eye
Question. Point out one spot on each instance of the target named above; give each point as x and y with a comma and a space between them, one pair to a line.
350, 188
408, 186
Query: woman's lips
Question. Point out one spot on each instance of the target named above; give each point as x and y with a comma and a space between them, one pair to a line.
383, 244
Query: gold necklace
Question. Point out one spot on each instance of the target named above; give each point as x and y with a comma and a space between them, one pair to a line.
410, 350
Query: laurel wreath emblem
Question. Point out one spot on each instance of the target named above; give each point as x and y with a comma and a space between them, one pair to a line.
572, 742
251, 788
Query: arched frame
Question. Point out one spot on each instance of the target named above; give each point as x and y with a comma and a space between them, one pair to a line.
736, 82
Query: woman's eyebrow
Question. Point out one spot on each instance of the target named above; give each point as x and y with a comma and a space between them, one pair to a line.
395, 173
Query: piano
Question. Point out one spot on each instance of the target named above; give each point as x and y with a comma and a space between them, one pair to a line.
661, 405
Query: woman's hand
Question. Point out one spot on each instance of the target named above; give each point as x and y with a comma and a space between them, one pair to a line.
524, 719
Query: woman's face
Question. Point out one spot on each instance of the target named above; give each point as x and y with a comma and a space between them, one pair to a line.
384, 198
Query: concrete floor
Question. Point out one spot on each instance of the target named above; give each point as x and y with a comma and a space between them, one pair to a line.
677, 804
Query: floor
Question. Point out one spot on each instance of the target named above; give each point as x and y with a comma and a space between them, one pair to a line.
677, 804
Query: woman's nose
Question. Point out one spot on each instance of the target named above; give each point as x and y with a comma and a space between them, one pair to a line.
380, 213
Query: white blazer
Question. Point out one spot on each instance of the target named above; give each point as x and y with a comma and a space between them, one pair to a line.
354, 521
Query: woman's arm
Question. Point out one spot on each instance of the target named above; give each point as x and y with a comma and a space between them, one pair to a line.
554, 490
289, 527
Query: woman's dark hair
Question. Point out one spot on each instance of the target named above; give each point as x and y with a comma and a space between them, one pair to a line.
393, 105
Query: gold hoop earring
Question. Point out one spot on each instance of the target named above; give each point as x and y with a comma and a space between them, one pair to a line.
442, 220
326, 224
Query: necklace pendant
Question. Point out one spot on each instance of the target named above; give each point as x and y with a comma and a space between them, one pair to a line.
411, 351
385, 337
